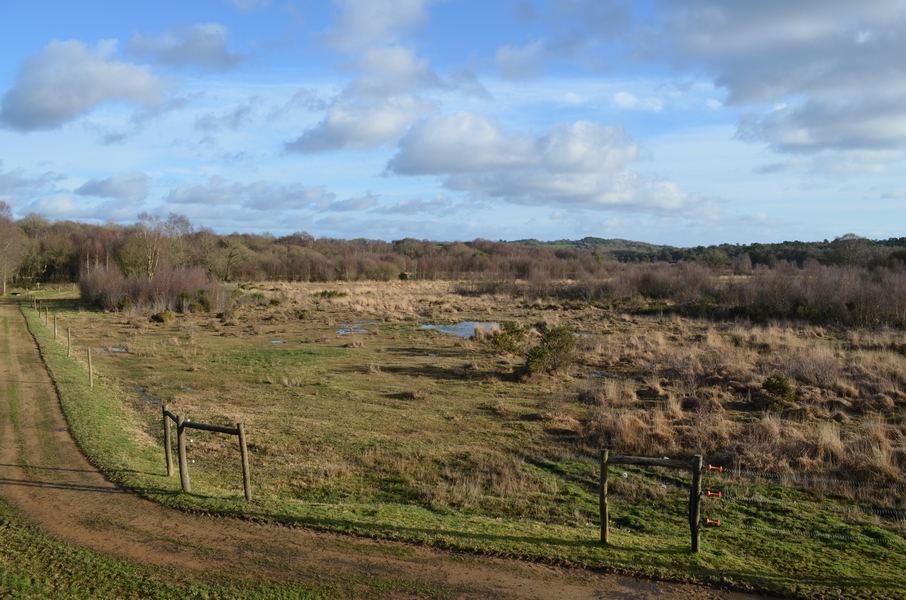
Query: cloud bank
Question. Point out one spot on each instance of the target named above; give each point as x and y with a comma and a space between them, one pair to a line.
203, 45
579, 165
66, 80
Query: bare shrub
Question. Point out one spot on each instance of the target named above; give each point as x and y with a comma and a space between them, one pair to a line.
817, 367
484, 333
607, 392
623, 432
828, 445
185, 289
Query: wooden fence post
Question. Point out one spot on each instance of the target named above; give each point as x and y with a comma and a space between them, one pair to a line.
604, 508
243, 451
695, 497
181, 446
55, 327
168, 441
68, 342
90, 370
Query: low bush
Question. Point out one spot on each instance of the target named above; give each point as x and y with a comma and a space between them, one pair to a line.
556, 350
510, 338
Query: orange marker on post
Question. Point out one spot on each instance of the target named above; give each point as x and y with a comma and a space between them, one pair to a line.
713, 468
712, 523
715, 494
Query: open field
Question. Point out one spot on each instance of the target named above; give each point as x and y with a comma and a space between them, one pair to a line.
360, 421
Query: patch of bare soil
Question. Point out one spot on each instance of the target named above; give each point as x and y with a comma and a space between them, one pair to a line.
45, 477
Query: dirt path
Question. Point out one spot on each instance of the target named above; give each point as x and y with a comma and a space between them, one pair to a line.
44, 476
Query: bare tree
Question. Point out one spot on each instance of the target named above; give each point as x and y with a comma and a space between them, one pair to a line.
176, 228
151, 237
9, 243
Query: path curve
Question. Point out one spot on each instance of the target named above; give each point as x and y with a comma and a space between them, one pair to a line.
46, 479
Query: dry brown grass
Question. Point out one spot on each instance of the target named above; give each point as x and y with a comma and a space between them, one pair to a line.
646, 385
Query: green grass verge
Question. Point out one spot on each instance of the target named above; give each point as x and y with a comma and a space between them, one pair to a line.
770, 547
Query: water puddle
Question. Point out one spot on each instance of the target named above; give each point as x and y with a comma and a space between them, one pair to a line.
347, 328
465, 329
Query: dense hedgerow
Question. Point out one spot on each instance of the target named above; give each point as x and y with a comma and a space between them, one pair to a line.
184, 290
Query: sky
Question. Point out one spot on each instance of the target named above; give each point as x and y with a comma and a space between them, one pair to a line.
683, 122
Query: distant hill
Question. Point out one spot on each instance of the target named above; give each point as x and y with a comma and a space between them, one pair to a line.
596, 243
848, 249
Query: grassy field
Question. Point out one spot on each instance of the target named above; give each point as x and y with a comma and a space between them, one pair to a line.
361, 421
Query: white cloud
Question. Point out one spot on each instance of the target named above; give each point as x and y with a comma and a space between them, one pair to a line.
258, 196
627, 100
66, 80
202, 44
391, 70
60, 207
303, 99
356, 203
232, 119
356, 126
363, 22
581, 165
124, 186
521, 63
417, 206
16, 182
864, 123
897, 193
468, 142
834, 66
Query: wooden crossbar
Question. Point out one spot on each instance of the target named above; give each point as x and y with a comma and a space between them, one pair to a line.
695, 489
181, 425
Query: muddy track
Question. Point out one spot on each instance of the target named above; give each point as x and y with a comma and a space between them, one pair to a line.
46, 479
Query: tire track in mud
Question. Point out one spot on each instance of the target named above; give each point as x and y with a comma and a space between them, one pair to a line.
46, 479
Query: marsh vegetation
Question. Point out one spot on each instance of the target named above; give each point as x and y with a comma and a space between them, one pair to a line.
360, 420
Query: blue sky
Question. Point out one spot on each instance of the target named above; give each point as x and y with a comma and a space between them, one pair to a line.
678, 122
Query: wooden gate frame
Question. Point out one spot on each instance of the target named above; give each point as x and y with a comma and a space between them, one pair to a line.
695, 489
181, 425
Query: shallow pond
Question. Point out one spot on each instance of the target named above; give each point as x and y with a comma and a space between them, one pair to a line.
465, 329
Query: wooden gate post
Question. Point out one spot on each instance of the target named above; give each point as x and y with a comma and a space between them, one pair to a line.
168, 441
181, 445
90, 371
695, 498
68, 342
603, 506
243, 451
55, 326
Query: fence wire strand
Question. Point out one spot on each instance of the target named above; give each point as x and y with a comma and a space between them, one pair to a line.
794, 478
886, 512
818, 534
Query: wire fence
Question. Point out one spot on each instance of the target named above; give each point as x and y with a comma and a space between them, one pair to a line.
799, 478
817, 534
722, 477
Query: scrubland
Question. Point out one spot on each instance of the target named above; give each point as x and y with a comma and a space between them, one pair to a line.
361, 421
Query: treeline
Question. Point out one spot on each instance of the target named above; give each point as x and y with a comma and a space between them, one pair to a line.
170, 263
38, 250
847, 250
